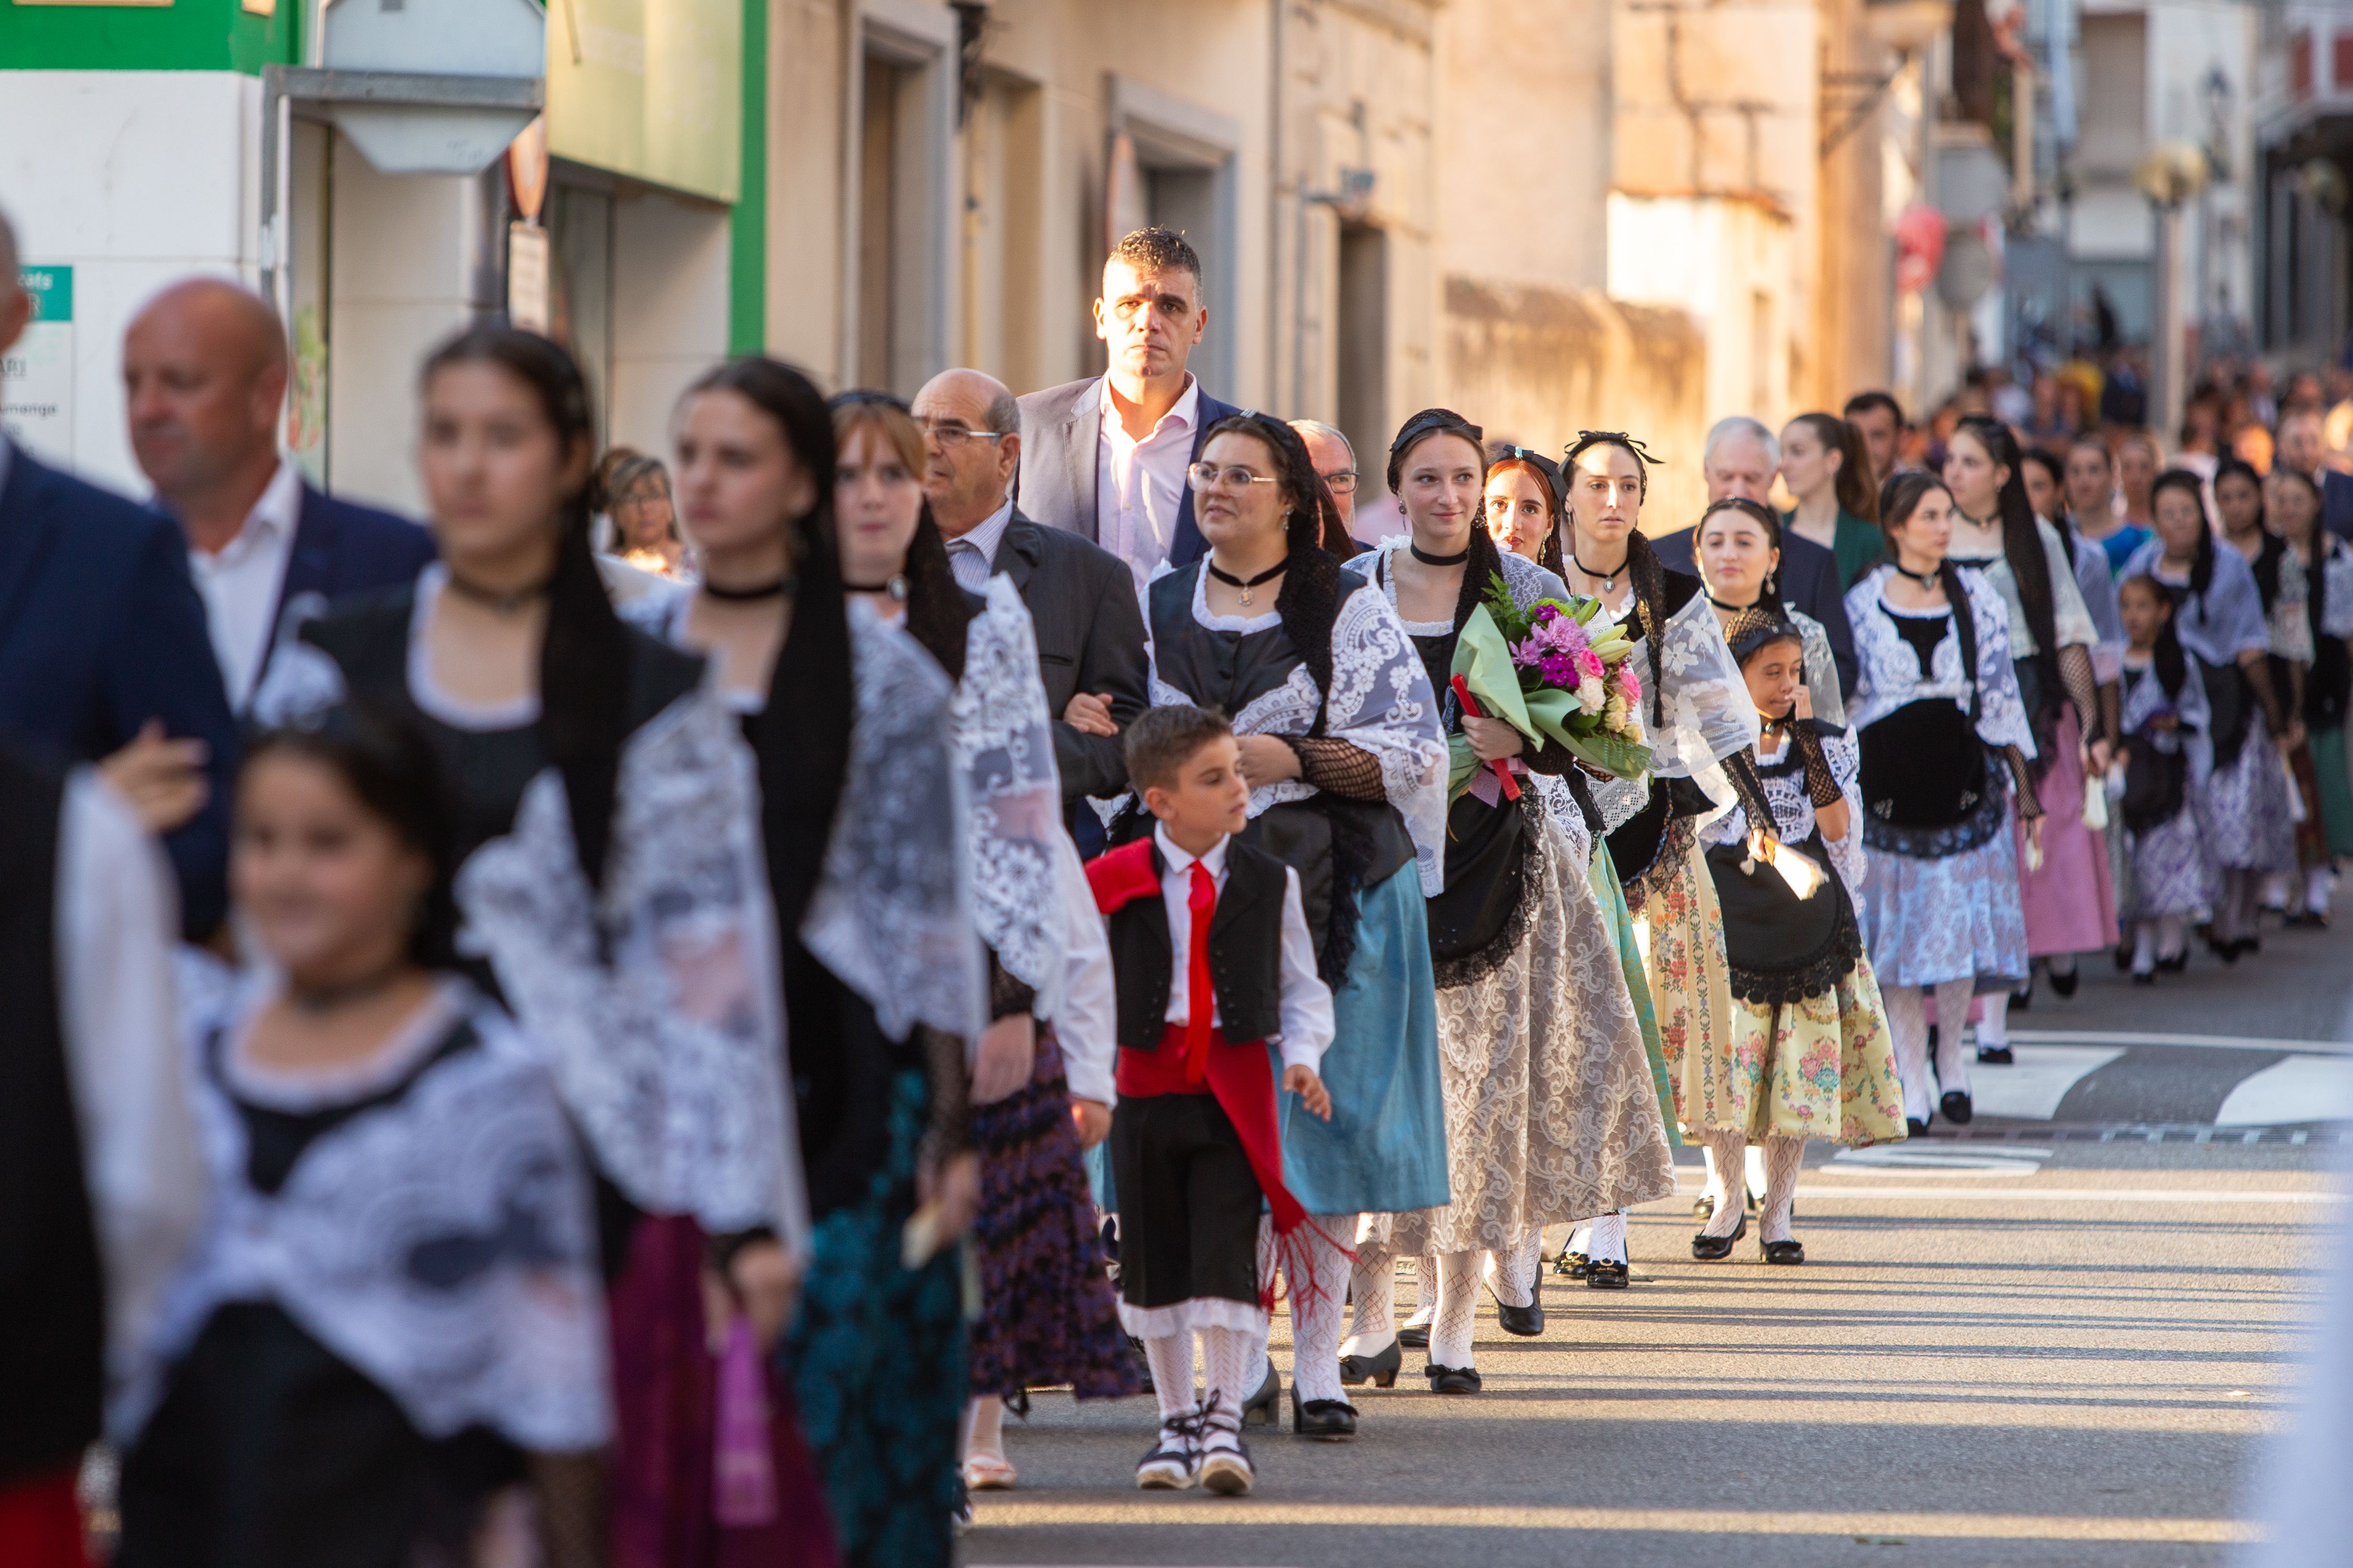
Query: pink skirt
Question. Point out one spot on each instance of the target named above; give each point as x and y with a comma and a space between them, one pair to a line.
2071, 904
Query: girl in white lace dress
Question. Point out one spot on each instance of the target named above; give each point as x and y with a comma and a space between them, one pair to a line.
391, 1336
1551, 1115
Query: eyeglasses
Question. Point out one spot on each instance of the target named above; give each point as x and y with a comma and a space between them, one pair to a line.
1343, 481
1208, 475
955, 436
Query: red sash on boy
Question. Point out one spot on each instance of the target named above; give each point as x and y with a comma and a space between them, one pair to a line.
1194, 1057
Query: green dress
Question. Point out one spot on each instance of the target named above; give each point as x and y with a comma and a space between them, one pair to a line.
1602, 873
1857, 545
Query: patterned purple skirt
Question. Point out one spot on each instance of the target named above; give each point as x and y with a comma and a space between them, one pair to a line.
1047, 1316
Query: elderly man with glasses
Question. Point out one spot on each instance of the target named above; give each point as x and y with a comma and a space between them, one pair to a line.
1081, 597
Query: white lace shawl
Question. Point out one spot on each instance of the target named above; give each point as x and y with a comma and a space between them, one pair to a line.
1380, 702
1887, 672
1707, 712
671, 1055
669, 1048
2071, 614
1821, 669
892, 915
444, 1243
1793, 810
1005, 748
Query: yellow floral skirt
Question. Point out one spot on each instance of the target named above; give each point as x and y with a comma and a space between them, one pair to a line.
1823, 1067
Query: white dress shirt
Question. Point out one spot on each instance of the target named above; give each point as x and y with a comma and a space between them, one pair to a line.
1140, 485
973, 556
118, 926
1087, 1027
1307, 1024
240, 583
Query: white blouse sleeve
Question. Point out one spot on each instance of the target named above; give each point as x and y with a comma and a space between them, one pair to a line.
1307, 1022
1381, 703
1087, 1025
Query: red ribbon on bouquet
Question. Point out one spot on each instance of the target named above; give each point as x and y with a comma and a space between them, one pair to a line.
1501, 768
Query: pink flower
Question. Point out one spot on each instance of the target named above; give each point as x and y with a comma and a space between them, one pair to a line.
1589, 664
1526, 655
1629, 684
1558, 669
1546, 613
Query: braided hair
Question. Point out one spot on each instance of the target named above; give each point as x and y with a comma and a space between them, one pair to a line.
1763, 516
2022, 542
1644, 567
584, 655
1309, 599
2202, 567
1899, 498
938, 614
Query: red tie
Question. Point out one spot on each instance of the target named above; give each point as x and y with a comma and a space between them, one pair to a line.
1199, 996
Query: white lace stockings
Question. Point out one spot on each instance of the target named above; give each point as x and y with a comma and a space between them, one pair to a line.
1228, 1356
1783, 1156
1170, 1357
1907, 1021
1608, 1242
1458, 1308
1315, 1320
1512, 1273
1373, 1283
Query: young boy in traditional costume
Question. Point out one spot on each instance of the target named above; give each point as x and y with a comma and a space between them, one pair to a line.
1214, 967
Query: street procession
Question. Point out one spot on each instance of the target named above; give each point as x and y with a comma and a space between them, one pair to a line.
829, 949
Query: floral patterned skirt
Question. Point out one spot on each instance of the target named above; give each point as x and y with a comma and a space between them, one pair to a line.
1047, 1316
2172, 874
1691, 983
1551, 1115
2250, 826
1927, 920
1821, 1068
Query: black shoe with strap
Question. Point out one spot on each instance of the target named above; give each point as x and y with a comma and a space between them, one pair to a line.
1790, 1251
1709, 1248
1451, 1379
1605, 1273
1321, 1420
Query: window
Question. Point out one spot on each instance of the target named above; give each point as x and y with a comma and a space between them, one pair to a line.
1363, 361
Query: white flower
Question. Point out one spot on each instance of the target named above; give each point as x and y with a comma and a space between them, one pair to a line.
1590, 695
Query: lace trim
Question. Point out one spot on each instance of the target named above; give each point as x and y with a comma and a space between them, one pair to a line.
1005, 746
1675, 841
1817, 977
1472, 967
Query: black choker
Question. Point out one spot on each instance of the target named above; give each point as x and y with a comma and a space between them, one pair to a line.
1269, 575
1427, 559
505, 602
1926, 579
774, 590
1731, 609
894, 586
1607, 580
315, 1000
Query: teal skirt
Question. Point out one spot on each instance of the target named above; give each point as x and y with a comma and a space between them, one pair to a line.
1383, 1151
1602, 873
2335, 791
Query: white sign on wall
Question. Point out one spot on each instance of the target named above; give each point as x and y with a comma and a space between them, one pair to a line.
36, 375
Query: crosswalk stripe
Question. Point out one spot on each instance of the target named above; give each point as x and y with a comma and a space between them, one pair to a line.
2209, 1042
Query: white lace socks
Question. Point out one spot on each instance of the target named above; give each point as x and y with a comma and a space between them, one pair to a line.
1424, 1291
1315, 1320
1608, 1242
1228, 1356
1783, 1158
1512, 1273
1458, 1309
1728, 1148
1170, 1357
1373, 1283
1907, 1023
1952, 1018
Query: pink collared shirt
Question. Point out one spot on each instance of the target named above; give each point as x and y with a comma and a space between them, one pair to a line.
1140, 485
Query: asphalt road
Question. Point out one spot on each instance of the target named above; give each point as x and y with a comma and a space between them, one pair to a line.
2053, 1339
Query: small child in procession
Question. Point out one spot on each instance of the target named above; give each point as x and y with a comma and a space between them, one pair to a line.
1214, 966
2167, 757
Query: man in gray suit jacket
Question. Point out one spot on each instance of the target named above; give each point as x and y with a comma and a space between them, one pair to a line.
1089, 623
1105, 458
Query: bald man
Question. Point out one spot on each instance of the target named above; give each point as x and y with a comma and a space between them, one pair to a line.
204, 377
1081, 596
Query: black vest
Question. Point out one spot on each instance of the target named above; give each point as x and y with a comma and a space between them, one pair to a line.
1245, 953
52, 1296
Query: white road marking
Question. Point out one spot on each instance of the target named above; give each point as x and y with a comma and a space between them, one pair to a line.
1947, 1160
2213, 1196
2301, 1088
2209, 1042
2030, 1088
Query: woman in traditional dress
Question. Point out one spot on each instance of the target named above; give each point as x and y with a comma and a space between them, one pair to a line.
2292, 503
2168, 758
1827, 469
611, 880
2237, 491
1342, 748
1738, 547
2046, 474
2069, 898
1048, 1315
849, 721
1700, 726
1551, 1114
390, 1345
1945, 741
1812, 1056
2218, 614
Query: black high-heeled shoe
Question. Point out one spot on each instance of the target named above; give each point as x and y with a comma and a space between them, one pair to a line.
1605, 1274
2179, 963
1915, 1126
1321, 1420
1708, 1249
1380, 1370
1995, 1055
1954, 1105
2065, 984
1263, 1408
1414, 1336
2144, 976
1451, 1379
1790, 1251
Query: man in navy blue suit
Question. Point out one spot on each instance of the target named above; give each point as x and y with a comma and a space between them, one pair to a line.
1105, 458
101, 634
203, 375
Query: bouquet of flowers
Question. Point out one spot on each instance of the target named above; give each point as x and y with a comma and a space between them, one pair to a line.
1559, 670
